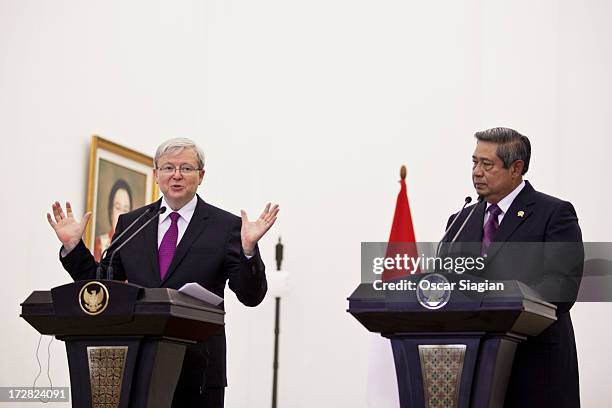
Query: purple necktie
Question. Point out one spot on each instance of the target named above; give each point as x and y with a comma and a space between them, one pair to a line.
168, 245
490, 227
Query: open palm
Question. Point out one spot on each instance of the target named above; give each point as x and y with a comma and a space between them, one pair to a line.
252, 231
68, 230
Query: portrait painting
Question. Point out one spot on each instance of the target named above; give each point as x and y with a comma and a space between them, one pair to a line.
120, 180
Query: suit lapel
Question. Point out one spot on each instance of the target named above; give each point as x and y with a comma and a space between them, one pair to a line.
194, 229
519, 211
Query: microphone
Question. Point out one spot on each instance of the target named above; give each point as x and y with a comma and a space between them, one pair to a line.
116, 239
450, 246
466, 220
109, 269
468, 200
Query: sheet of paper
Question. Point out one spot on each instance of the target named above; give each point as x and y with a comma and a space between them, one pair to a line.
197, 291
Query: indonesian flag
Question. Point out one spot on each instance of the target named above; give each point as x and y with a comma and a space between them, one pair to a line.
382, 389
402, 242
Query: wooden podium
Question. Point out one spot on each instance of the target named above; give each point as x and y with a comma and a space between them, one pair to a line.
125, 343
459, 355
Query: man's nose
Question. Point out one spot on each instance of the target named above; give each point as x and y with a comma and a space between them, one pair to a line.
177, 174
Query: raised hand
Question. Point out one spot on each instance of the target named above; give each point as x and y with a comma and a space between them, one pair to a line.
252, 231
68, 230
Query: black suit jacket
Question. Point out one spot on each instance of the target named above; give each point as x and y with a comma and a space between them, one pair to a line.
209, 253
539, 243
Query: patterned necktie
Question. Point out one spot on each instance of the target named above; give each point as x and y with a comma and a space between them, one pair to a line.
168, 245
491, 227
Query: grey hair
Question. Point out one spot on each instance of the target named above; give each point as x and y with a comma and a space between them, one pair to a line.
512, 145
179, 143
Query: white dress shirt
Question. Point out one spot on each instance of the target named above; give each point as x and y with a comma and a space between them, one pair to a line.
185, 213
505, 203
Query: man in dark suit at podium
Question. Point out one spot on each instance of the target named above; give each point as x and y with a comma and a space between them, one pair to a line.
532, 237
192, 241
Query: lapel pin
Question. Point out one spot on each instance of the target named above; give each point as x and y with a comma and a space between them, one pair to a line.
520, 213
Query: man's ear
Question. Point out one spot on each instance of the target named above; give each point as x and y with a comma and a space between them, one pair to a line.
517, 168
201, 176
155, 174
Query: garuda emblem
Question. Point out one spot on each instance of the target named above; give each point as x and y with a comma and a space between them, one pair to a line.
93, 298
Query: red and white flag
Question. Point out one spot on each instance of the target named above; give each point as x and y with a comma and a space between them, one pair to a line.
402, 241
382, 380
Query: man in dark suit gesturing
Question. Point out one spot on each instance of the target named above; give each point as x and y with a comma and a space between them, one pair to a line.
531, 237
192, 241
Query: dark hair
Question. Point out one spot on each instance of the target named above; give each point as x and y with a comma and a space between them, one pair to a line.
512, 146
119, 185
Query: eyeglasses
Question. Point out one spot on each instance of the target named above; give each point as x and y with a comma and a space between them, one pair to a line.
184, 169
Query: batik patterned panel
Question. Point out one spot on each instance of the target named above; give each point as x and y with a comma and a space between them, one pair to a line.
441, 367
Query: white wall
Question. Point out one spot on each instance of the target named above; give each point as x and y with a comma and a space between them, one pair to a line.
314, 105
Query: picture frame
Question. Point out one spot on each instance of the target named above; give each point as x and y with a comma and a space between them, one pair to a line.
120, 180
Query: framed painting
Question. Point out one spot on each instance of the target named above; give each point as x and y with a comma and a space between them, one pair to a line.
120, 180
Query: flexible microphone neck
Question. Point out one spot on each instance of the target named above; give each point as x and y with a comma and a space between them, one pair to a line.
450, 246
468, 200
116, 239
109, 269
466, 220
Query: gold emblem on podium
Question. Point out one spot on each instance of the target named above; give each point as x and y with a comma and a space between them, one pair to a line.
93, 298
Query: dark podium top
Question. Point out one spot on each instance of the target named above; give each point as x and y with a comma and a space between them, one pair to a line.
517, 309
132, 310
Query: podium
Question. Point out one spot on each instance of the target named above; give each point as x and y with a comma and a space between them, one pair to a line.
459, 355
125, 343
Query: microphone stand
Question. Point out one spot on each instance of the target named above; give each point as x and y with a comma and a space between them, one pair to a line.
279, 260
116, 239
109, 269
460, 230
467, 200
